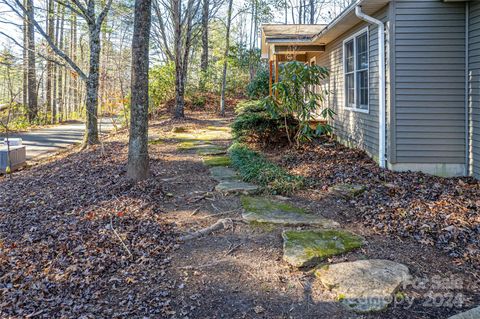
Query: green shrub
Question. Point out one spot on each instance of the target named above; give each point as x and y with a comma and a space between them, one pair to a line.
295, 95
162, 83
253, 167
258, 88
254, 124
198, 101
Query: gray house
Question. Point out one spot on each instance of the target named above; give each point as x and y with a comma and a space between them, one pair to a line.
404, 79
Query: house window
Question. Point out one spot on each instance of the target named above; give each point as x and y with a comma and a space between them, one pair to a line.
356, 71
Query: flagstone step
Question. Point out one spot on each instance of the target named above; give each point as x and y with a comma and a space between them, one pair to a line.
364, 285
236, 187
302, 248
347, 190
469, 314
222, 173
263, 210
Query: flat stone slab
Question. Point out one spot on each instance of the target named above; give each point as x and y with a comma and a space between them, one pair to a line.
364, 285
209, 151
469, 314
222, 173
216, 161
195, 145
307, 247
263, 210
347, 190
236, 187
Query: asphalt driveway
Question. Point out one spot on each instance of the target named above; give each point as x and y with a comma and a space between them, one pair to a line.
40, 142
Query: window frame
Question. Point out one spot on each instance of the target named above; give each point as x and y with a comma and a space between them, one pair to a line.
355, 107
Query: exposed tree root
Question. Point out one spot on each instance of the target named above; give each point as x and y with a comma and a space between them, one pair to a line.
225, 223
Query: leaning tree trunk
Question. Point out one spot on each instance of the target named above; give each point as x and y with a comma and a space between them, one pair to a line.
138, 143
225, 59
91, 133
31, 74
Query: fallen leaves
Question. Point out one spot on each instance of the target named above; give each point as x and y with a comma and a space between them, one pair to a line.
439, 212
60, 255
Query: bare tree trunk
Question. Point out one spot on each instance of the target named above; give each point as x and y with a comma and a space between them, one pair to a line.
59, 69
225, 58
55, 70
25, 59
91, 133
252, 17
50, 30
204, 55
32, 76
179, 81
138, 142
73, 40
312, 11
300, 11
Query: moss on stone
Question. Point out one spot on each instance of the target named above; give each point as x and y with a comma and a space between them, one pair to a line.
202, 136
217, 160
157, 141
190, 145
264, 226
219, 128
263, 205
307, 246
179, 129
212, 150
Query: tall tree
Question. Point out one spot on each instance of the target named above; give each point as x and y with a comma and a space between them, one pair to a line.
31, 74
204, 55
51, 34
137, 168
25, 60
225, 58
183, 27
312, 11
60, 71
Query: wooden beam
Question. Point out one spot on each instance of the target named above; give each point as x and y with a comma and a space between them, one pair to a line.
284, 49
270, 67
296, 57
276, 74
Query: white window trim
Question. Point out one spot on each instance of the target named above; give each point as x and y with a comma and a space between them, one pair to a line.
353, 37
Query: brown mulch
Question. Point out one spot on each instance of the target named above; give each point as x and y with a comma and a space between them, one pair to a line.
435, 211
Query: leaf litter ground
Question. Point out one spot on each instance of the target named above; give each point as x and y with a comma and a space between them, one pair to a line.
78, 240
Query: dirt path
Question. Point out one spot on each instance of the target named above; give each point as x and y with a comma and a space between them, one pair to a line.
240, 273
78, 240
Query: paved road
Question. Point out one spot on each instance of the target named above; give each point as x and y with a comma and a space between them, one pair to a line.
52, 139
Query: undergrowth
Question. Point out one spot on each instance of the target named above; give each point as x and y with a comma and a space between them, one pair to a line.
254, 167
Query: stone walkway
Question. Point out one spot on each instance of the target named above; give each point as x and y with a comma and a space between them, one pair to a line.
361, 286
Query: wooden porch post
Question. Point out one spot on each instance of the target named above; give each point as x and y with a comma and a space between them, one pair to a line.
276, 73
270, 66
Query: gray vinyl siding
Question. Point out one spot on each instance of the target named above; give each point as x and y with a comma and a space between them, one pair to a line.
354, 128
429, 82
474, 74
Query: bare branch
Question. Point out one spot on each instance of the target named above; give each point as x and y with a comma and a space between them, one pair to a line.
67, 5
104, 13
36, 52
50, 42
